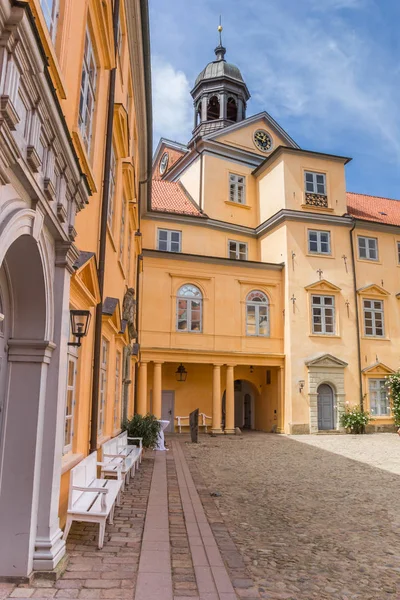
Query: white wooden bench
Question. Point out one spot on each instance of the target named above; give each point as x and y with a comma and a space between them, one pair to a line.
118, 455
91, 499
202, 422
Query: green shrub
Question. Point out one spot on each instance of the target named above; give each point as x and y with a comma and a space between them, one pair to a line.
355, 419
146, 427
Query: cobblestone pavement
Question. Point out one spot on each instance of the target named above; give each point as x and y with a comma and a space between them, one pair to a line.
380, 450
310, 524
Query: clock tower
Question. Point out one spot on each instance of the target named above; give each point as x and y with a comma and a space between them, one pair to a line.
219, 95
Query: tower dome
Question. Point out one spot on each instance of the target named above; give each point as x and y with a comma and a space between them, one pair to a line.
219, 95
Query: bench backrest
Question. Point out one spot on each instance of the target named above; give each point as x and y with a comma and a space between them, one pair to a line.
82, 475
110, 447
122, 439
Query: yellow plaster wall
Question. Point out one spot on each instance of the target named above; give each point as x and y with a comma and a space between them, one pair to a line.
216, 192
224, 290
193, 238
190, 180
271, 190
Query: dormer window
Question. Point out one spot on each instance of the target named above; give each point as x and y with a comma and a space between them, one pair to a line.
237, 186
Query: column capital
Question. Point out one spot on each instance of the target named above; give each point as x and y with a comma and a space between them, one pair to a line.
30, 350
143, 362
158, 362
231, 366
218, 365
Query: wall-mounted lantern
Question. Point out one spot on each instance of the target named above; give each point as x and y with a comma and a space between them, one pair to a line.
302, 383
80, 320
181, 373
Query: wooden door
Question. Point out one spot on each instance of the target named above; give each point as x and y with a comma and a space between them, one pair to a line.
326, 416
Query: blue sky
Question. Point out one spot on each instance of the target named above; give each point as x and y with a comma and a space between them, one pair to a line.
327, 70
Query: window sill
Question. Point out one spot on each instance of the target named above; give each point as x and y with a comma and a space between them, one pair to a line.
375, 337
319, 255
110, 234
381, 417
317, 208
325, 335
188, 332
230, 203
370, 261
70, 460
84, 158
102, 440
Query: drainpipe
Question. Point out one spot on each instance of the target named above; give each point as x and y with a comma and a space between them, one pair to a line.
103, 239
357, 314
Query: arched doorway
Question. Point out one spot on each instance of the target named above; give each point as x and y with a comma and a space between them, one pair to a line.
326, 412
23, 375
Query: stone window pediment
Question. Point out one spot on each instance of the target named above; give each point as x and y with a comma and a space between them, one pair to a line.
378, 369
373, 290
326, 361
323, 287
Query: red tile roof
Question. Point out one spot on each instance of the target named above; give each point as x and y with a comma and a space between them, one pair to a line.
169, 196
374, 208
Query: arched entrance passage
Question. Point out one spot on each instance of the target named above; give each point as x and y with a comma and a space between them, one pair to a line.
245, 395
326, 411
25, 371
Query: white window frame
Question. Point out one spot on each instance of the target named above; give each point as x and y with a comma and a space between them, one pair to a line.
111, 189
368, 248
117, 390
257, 305
235, 252
319, 233
398, 252
87, 100
50, 9
378, 388
237, 188
122, 231
169, 241
105, 348
69, 415
188, 293
377, 314
324, 308
315, 183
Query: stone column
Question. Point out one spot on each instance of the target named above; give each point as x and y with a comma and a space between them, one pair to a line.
222, 106
22, 437
230, 400
141, 405
204, 104
157, 389
49, 547
240, 110
216, 400
281, 400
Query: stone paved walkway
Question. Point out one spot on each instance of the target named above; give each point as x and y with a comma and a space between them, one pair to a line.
163, 545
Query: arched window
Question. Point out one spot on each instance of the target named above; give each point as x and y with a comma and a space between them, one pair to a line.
1, 317
232, 110
213, 108
257, 314
189, 309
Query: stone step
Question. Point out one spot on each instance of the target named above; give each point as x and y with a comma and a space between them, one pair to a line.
330, 432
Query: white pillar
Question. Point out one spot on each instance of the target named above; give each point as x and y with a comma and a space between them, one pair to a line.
157, 389
49, 547
216, 400
22, 437
230, 400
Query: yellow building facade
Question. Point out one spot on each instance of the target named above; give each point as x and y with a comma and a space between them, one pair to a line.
274, 288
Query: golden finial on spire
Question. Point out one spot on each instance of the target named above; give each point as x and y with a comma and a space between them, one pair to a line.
220, 31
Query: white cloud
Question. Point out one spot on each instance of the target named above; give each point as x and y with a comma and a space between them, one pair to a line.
172, 106
324, 5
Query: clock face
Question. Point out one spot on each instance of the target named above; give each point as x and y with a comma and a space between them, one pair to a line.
263, 140
164, 163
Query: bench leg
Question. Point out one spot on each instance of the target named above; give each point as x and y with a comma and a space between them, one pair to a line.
111, 515
102, 530
118, 499
67, 528
133, 470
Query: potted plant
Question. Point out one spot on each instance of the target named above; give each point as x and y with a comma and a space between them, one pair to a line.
355, 419
146, 427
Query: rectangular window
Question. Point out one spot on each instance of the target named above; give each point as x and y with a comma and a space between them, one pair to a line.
315, 183
111, 191
323, 314
169, 240
237, 250
319, 242
117, 393
122, 232
373, 318
398, 253
237, 185
378, 401
50, 12
103, 384
70, 403
368, 248
88, 92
